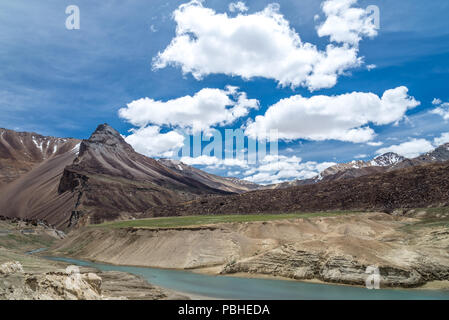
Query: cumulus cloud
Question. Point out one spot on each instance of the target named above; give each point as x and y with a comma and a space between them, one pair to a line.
263, 44
442, 110
276, 169
213, 162
375, 143
437, 101
443, 139
271, 169
344, 117
238, 6
346, 24
206, 108
150, 142
409, 149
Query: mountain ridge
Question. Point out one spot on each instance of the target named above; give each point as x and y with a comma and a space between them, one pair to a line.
100, 179
357, 168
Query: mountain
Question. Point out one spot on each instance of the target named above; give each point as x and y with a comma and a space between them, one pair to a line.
104, 179
112, 181
358, 168
353, 169
20, 152
413, 187
440, 154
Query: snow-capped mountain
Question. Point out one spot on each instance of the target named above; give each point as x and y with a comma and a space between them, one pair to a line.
385, 160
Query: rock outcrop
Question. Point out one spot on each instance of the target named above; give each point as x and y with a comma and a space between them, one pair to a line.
68, 285
11, 267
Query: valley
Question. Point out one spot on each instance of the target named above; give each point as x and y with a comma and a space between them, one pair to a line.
100, 204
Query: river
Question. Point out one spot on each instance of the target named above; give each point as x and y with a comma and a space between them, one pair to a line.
227, 287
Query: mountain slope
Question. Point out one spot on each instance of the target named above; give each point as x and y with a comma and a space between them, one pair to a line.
21, 151
35, 195
213, 181
414, 187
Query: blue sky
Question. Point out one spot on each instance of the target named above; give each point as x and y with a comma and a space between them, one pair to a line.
63, 82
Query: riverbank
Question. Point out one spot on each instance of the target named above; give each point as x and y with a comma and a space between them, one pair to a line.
26, 275
409, 248
230, 287
40, 278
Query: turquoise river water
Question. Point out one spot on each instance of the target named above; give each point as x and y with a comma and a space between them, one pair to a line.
227, 287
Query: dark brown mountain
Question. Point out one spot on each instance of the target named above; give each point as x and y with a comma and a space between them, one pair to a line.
22, 151
105, 180
414, 187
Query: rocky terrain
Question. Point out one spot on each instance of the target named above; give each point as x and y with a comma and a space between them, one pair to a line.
414, 187
410, 248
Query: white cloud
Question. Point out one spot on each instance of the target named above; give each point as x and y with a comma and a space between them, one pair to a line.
442, 110
150, 142
207, 108
345, 117
375, 144
214, 162
272, 169
443, 139
276, 169
346, 24
233, 173
260, 44
361, 156
409, 149
436, 101
238, 6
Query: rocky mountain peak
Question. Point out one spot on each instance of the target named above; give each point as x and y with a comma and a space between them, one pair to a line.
387, 159
105, 137
439, 154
